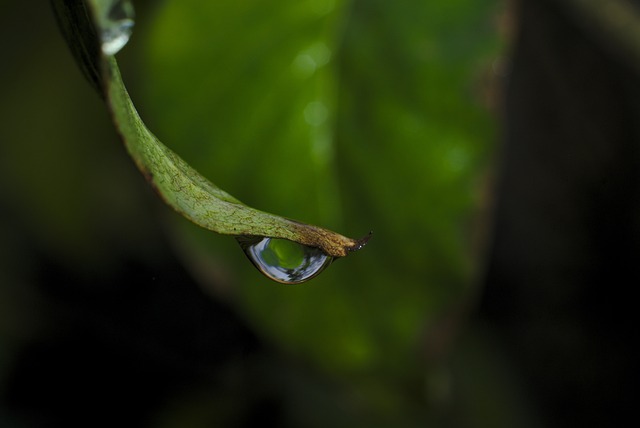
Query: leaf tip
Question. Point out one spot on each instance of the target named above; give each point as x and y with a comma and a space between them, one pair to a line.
359, 243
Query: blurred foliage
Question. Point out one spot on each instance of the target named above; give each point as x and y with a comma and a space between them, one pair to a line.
357, 116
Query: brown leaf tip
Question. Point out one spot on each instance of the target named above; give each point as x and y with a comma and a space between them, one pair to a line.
359, 243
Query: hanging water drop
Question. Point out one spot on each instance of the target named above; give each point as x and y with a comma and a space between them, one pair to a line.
284, 261
115, 19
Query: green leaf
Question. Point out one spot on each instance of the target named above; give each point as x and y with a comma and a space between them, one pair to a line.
90, 29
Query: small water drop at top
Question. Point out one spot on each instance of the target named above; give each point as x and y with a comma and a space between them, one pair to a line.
284, 261
115, 24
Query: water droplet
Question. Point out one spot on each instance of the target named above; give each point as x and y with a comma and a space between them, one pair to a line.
115, 24
284, 261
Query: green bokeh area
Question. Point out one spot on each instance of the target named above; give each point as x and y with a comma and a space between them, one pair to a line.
356, 116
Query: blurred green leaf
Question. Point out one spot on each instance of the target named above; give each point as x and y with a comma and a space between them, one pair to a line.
358, 114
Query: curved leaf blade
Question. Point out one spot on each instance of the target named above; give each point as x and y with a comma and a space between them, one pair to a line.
181, 186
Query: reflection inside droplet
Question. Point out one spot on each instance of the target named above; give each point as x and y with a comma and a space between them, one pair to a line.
284, 261
115, 21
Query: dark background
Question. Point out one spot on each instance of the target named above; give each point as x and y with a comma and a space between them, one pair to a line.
564, 260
